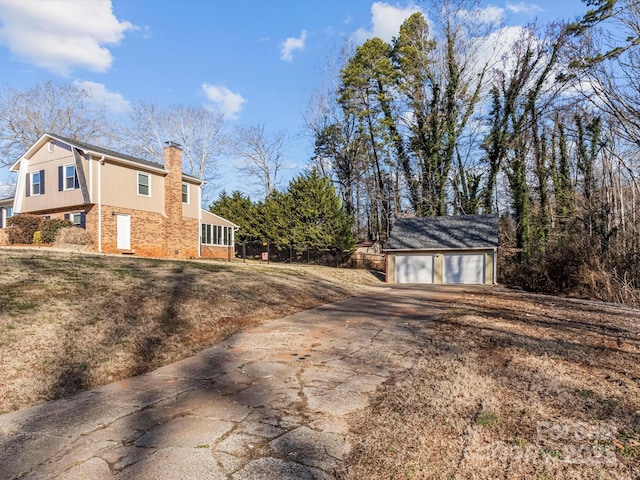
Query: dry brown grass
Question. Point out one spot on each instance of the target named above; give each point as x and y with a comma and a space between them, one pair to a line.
71, 321
505, 384
510, 385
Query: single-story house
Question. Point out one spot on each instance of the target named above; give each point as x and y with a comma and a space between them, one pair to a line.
443, 250
129, 205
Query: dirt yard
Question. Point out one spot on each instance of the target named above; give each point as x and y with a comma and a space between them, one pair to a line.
72, 321
510, 385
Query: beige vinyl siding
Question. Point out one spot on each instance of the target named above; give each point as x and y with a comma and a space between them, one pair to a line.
213, 219
191, 209
120, 188
49, 162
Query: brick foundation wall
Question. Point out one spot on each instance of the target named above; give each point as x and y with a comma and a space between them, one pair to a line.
149, 236
91, 224
147, 231
183, 238
218, 253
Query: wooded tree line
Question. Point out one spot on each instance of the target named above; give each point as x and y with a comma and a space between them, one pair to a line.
455, 117
307, 214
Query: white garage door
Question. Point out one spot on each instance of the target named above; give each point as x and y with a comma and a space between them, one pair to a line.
464, 268
414, 268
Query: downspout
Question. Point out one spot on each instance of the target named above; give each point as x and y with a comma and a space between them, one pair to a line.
200, 221
100, 164
232, 248
20, 188
495, 265
90, 178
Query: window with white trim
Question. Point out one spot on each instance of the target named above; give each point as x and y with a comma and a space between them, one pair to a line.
217, 235
144, 184
36, 183
69, 177
185, 193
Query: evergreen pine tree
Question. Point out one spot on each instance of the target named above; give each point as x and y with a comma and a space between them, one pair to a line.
318, 217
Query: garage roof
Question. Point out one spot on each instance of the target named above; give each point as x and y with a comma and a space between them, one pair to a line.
435, 233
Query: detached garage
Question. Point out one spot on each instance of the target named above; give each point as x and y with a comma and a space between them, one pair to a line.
443, 250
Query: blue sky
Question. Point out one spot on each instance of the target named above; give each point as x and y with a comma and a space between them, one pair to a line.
256, 61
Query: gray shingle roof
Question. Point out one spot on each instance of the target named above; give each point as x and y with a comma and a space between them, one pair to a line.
105, 151
457, 232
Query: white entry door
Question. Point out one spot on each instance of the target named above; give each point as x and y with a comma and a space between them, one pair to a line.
123, 232
464, 268
414, 268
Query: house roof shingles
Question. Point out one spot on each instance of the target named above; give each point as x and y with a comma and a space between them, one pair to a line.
105, 151
442, 233
112, 153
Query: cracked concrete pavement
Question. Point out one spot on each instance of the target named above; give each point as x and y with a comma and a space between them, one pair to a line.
264, 404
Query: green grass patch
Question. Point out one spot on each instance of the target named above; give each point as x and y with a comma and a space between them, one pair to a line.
487, 419
628, 444
14, 305
585, 393
520, 442
553, 453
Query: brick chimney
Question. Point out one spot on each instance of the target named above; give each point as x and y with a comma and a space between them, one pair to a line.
173, 197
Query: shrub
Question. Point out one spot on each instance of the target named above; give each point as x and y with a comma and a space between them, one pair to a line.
565, 261
49, 228
73, 236
4, 238
24, 226
37, 237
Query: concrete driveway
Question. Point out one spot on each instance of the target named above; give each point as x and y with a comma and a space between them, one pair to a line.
267, 403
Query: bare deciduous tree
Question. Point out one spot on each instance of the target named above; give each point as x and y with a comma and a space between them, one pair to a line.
199, 132
260, 157
50, 107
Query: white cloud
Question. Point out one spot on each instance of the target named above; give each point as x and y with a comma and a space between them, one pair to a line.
526, 8
493, 48
292, 44
62, 35
99, 94
385, 21
487, 15
224, 100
